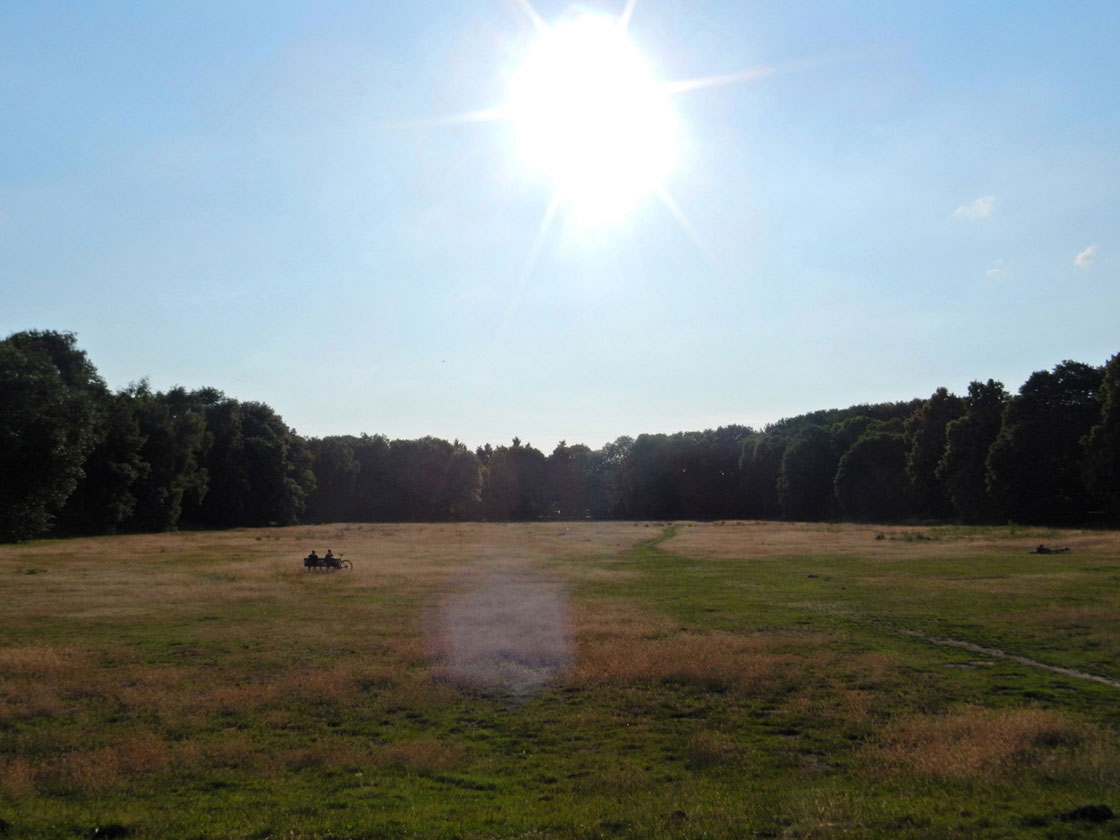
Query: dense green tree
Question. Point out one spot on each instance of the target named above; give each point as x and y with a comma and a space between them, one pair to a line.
653, 473
259, 470
51, 401
871, 481
1102, 446
105, 496
515, 487
568, 481
373, 489
532, 481
279, 467
1036, 463
464, 484
432, 480
925, 434
805, 483
760, 464
830, 418
606, 480
711, 481
336, 469
173, 428
72, 453
963, 468
225, 504
500, 489
483, 454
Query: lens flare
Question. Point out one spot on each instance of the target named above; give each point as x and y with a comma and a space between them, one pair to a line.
503, 629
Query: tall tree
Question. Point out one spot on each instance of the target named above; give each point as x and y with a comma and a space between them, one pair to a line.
105, 497
50, 400
373, 489
963, 469
760, 463
925, 434
432, 480
805, 484
652, 474
279, 467
1036, 464
710, 480
174, 440
515, 487
225, 504
464, 484
336, 470
259, 470
607, 486
1102, 446
568, 474
871, 481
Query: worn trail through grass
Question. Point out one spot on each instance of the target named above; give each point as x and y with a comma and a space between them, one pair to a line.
1002, 654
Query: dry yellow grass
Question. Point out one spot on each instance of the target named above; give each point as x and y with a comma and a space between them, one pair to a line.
717, 661
195, 637
980, 743
619, 644
104, 574
749, 539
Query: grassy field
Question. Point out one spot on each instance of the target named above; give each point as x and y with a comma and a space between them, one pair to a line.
716, 680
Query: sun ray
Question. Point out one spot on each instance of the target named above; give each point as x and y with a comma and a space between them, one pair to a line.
573, 109
467, 117
627, 13
763, 71
742, 77
687, 226
534, 17
529, 265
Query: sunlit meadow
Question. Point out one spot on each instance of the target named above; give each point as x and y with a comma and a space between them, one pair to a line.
561, 680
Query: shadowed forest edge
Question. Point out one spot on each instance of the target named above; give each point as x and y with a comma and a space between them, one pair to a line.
77, 458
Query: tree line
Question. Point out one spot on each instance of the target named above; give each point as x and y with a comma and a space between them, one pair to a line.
77, 458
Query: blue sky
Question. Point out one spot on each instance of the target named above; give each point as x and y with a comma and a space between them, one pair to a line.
261, 197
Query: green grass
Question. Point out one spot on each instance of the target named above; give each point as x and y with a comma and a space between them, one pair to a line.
717, 686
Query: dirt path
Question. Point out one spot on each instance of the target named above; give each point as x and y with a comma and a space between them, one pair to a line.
1002, 654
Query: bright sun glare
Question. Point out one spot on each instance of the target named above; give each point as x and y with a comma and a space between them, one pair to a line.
589, 115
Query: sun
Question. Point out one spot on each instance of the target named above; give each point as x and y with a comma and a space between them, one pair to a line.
589, 115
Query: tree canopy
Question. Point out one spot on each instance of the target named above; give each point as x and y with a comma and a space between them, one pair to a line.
78, 458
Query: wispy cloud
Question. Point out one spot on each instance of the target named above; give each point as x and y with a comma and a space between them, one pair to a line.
998, 269
980, 208
1085, 258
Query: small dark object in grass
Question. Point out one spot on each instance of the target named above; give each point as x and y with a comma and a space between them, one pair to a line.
34, 571
112, 830
1088, 813
1042, 549
5, 828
